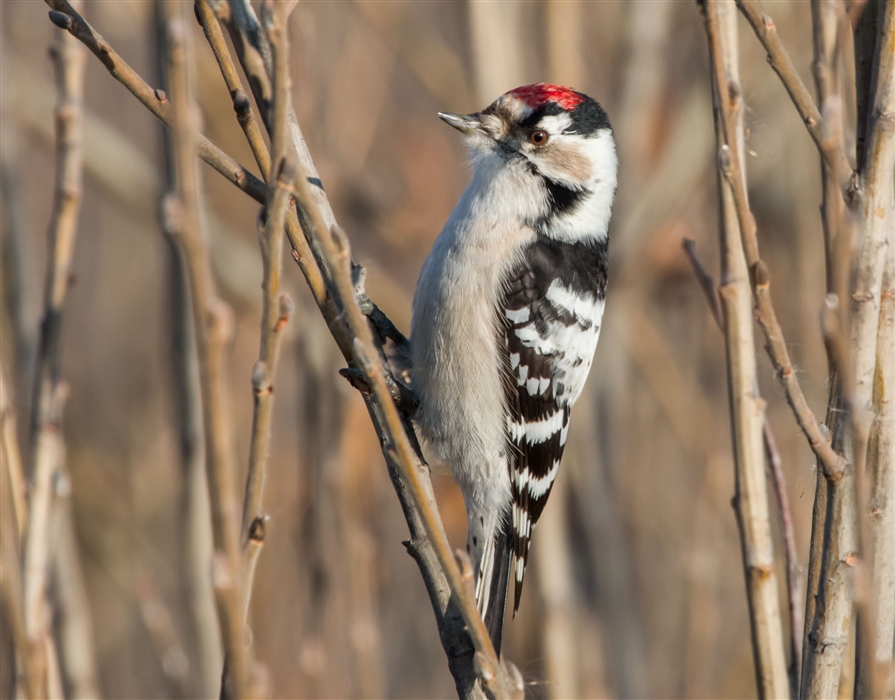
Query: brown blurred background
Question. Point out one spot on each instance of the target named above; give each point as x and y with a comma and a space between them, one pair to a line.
637, 586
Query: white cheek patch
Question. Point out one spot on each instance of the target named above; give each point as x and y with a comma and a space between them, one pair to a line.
591, 217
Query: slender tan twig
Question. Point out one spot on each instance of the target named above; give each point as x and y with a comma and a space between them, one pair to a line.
73, 622
730, 164
195, 516
12, 604
706, 281
253, 51
793, 577
241, 104
276, 307
747, 408
766, 31
12, 458
12, 520
795, 597
213, 322
66, 17
244, 115
49, 392
834, 463
881, 475
878, 223
827, 596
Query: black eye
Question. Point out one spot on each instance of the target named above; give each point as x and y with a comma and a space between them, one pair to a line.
539, 137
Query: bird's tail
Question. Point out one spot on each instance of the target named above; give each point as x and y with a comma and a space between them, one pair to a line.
492, 582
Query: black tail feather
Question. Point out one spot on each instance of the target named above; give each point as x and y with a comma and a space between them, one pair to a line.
500, 584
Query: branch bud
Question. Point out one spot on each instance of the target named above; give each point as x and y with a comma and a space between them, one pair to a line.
241, 104
61, 20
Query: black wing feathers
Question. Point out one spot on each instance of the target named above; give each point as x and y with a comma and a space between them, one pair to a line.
538, 402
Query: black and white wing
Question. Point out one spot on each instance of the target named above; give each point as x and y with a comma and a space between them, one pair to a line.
552, 310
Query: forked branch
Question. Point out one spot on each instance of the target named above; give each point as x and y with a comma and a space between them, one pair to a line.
766, 31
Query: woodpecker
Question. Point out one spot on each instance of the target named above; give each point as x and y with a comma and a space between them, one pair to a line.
507, 313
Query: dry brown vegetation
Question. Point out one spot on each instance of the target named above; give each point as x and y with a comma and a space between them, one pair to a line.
144, 539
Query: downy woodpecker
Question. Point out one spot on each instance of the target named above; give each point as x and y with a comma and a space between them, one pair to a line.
507, 313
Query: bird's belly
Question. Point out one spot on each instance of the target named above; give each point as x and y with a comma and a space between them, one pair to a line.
457, 373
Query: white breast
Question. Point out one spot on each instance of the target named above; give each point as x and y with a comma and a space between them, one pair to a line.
457, 365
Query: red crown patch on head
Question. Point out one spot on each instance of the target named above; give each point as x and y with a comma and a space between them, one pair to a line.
536, 95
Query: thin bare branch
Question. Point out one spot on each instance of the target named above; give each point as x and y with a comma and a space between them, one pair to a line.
881, 476
276, 308
213, 322
795, 597
73, 621
706, 281
877, 244
241, 104
746, 407
766, 31
825, 648
12, 459
195, 513
793, 576
731, 166
834, 464
30, 666
66, 17
47, 448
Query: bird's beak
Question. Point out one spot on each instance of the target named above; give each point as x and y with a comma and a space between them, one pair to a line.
464, 123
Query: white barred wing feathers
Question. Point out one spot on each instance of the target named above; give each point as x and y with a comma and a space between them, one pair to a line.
552, 309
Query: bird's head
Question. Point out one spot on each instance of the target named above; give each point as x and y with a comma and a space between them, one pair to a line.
560, 141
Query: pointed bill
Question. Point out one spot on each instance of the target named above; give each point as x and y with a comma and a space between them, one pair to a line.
464, 123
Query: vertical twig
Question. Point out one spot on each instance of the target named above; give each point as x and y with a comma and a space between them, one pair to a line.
746, 407
873, 468
213, 327
793, 577
276, 307
12, 460
47, 449
241, 104
13, 515
73, 621
828, 493
195, 515
253, 63
881, 474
